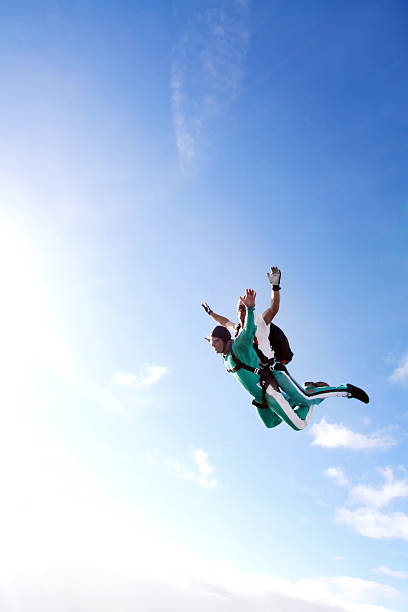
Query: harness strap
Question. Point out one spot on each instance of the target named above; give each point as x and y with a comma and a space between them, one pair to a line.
240, 365
259, 405
265, 378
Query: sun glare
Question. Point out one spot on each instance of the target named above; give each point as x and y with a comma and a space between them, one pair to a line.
28, 335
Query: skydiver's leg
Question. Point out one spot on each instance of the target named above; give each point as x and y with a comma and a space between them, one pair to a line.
267, 414
279, 404
269, 417
297, 395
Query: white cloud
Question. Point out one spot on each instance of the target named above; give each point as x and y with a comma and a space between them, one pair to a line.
65, 540
337, 475
205, 469
337, 435
153, 374
367, 519
148, 376
378, 497
179, 467
207, 70
401, 373
357, 589
204, 473
374, 524
125, 380
386, 571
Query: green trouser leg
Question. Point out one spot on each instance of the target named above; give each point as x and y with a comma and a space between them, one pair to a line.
297, 419
279, 409
269, 417
299, 396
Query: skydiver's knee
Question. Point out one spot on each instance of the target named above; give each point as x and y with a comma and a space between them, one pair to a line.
298, 426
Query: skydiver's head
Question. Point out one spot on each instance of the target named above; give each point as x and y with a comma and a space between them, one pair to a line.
219, 338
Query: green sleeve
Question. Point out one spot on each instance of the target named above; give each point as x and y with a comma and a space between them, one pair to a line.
246, 337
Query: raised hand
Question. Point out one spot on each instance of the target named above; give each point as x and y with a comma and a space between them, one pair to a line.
248, 299
274, 276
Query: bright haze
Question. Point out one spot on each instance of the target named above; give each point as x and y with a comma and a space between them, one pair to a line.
154, 155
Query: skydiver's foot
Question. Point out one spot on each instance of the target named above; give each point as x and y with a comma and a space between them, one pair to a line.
316, 385
357, 393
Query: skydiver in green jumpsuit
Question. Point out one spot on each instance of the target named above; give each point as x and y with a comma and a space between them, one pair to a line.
292, 404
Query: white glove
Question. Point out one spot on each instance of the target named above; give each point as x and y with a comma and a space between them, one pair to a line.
274, 277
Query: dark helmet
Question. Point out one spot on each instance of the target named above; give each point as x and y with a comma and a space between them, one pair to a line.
220, 332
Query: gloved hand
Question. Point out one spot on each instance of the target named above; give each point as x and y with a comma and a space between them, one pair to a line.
206, 308
274, 277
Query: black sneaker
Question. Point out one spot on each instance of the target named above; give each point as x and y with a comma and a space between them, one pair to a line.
315, 385
357, 393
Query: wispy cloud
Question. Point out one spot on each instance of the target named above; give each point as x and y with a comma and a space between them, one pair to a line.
368, 519
146, 569
203, 472
378, 497
357, 589
148, 376
374, 524
401, 373
337, 435
386, 571
207, 70
179, 467
337, 475
206, 470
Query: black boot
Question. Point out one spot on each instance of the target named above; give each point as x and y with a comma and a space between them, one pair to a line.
357, 393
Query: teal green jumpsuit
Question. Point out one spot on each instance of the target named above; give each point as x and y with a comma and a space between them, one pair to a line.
293, 404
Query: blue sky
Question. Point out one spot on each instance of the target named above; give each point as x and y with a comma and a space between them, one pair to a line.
154, 155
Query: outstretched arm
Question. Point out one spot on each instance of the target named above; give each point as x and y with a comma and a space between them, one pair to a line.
246, 337
218, 318
274, 278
